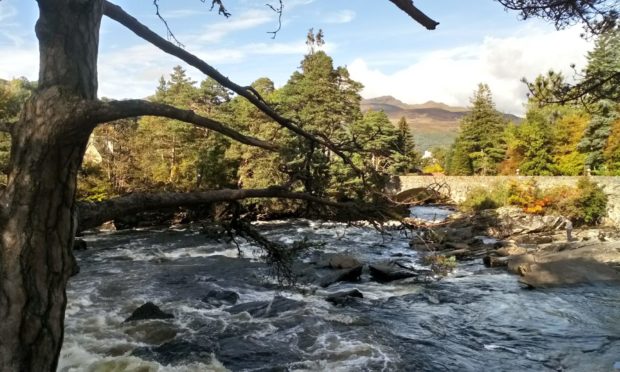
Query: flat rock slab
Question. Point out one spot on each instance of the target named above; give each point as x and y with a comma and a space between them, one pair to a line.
579, 265
387, 272
569, 272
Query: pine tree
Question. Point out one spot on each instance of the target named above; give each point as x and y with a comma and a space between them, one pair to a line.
595, 137
458, 162
603, 63
481, 133
325, 101
535, 144
406, 157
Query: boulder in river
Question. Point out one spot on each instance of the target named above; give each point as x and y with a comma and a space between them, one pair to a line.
216, 297
148, 311
339, 261
344, 298
520, 264
574, 264
492, 261
343, 275
510, 251
387, 272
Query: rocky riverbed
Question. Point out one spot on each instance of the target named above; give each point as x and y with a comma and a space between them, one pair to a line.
538, 248
366, 302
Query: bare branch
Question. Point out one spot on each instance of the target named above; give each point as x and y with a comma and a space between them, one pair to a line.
596, 16
168, 30
103, 112
415, 13
116, 13
279, 12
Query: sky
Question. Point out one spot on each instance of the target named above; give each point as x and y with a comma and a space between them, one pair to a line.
477, 41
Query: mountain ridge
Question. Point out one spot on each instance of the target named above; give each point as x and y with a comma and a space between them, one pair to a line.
432, 123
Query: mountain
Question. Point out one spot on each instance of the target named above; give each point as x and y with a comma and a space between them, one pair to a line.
432, 123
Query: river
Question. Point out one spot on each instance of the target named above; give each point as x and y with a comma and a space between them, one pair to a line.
476, 319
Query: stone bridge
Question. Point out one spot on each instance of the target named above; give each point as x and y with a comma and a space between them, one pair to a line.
459, 186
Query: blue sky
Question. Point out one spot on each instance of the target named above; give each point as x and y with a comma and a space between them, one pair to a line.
476, 41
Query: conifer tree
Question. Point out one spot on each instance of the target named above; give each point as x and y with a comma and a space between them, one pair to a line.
406, 157
481, 134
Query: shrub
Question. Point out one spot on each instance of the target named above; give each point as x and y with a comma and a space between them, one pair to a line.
440, 264
479, 199
584, 204
592, 201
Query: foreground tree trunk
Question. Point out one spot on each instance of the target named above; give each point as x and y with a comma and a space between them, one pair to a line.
37, 217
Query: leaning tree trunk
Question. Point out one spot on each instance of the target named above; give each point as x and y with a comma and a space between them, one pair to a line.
37, 217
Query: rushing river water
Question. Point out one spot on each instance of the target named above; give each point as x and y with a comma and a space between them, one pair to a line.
476, 319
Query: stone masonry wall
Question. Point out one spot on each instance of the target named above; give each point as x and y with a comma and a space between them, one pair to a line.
459, 186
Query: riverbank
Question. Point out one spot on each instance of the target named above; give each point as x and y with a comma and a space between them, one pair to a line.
538, 248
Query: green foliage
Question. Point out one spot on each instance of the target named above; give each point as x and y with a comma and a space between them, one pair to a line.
406, 158
611, 154
480, 138
13, 94
584, 204
587, 203
534, 143
440, 264
458, 161
597, 133
592, 201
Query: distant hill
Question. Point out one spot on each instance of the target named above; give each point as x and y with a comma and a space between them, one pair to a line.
432, 123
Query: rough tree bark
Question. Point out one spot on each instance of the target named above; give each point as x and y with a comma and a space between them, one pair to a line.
36, 221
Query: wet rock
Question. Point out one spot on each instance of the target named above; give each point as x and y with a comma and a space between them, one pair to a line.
492, 261
339, 261
423, 246
510, 251
218, 298
108, 226
344, 275
79, 245
568, 272
534, 239
148, 311
344, 298
266, 309
520, 264
387, 272
456, 246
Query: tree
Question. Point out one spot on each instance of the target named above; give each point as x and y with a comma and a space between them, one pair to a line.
603, 61
406, 158
612, 151
481, 133
326, 100
597, 16
534, 142
38, 217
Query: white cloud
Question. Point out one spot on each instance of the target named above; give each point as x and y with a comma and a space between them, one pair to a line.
341, 16
23, 61
451, 75
134, 72
244, 21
